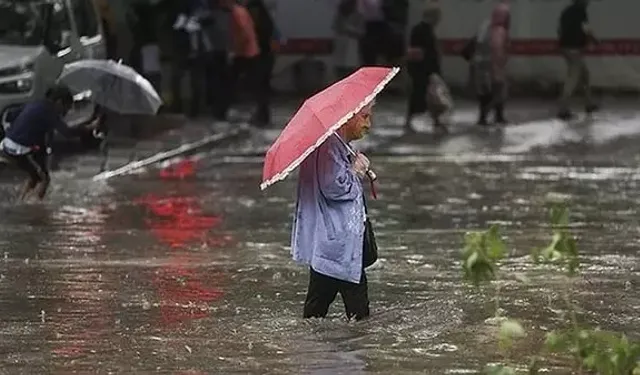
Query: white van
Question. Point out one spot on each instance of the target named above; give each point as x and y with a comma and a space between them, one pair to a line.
37, 37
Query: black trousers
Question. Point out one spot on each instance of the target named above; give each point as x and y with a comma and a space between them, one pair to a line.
244, 72
418, 96
323, 290
193, 67
34, 164
374, 43
265, 64
220, 84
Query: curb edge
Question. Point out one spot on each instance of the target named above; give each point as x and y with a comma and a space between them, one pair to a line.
169, 154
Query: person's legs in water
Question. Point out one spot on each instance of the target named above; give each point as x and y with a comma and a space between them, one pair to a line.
417, 99
499, 98
438, 126
574, 73
196, 72
209, 81
321, 293
177, 73
237, 70
220, 71
39, 161
356, 298
263, 71
585, 82
484, 104
35, 165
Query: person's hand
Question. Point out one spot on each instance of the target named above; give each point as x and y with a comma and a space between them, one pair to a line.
361, 165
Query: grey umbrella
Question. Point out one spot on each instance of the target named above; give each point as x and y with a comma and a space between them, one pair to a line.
113, 85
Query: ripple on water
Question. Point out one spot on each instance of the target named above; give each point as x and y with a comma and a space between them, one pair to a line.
119, 298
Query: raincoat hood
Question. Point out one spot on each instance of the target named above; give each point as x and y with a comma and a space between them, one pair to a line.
501, 16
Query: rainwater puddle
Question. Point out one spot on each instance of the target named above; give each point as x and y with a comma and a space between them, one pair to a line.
187, 270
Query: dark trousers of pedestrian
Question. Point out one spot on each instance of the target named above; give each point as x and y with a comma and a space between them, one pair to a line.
193, 67
373, 44
492, 100
577, 76
324, 289
264, 66
220, 72
418, 95
244, 70
418, 101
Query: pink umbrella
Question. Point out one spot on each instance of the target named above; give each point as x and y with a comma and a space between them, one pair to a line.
321, 116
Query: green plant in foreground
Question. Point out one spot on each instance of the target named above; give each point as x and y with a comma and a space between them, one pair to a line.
482, 251
606, 353
508, 333
562, 251
593, 350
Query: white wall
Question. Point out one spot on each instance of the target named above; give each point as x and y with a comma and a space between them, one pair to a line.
613, 21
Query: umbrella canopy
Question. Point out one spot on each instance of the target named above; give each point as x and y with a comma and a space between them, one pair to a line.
321, 116
113, 85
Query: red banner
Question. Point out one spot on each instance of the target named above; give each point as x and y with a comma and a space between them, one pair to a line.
519, 47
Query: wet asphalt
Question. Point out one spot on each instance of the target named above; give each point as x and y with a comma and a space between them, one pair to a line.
183, 267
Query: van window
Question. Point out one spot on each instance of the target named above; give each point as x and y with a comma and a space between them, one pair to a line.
86, 18
61, 30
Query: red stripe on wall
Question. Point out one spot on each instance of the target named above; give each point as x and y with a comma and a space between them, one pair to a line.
519, 47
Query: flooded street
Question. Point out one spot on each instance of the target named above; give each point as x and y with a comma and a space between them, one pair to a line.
185, 268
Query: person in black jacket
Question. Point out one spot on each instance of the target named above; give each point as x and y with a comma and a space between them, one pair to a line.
424, 60
26, 142
575, 35
265, 31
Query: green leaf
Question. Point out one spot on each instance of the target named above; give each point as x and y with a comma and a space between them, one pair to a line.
500, 370
471, 260
496, 248
557, 341
534, 367
480, 253
559, 215
509, 331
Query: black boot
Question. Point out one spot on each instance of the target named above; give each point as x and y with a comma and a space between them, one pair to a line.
484, 101
565, 115
482, 119
591, 107
499, 111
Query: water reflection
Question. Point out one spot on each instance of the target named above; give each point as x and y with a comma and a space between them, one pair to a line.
152, 282
81, 319
177, 220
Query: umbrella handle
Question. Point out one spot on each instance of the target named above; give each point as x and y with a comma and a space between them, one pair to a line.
372, 179
372, 175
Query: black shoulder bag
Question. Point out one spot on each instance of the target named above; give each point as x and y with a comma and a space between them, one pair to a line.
370, 247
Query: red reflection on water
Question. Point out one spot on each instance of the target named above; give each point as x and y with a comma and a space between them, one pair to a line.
179, 222
180, 170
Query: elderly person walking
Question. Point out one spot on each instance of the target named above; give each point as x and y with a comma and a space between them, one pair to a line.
489, 64
329, 223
